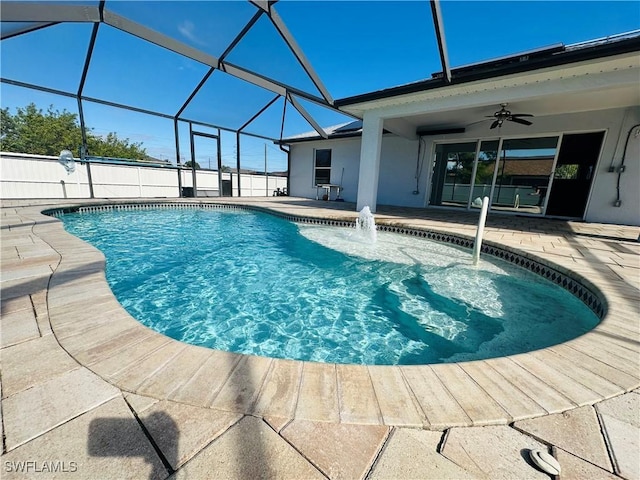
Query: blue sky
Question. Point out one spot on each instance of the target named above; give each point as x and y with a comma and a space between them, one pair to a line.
355, 47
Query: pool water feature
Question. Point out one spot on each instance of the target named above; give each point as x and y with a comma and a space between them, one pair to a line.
253, 283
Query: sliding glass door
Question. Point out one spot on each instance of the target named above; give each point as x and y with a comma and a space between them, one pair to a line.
485, 169
514, 173
523, 173
452, 173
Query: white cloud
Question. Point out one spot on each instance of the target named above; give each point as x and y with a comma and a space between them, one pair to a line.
188, 30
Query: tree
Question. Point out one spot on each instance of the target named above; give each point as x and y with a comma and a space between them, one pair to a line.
188, 165
33, 131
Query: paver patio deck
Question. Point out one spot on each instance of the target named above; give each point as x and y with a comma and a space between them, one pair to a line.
89, 392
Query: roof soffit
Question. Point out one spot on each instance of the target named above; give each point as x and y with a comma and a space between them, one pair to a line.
621, 69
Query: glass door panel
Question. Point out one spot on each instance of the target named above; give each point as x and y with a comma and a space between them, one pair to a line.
452, 173
484, 172
524, 169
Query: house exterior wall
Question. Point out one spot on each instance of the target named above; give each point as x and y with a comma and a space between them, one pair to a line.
345, 153
399, 157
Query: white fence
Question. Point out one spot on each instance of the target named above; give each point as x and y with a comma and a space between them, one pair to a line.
40, 176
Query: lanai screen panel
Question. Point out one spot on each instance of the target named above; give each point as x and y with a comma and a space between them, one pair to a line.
264, 51
209, 26
354, 50
139, 73
56, 56
226, 101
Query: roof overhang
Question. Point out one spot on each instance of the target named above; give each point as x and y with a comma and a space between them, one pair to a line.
523, 64
591, 85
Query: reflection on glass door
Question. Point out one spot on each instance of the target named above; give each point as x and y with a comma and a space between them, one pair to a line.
484, 172
523, 172
452, 173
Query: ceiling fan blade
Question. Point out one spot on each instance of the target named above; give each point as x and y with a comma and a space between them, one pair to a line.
495, 124
521, 115
519, 120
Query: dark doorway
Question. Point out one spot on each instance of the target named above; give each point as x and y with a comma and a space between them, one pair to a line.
573, 175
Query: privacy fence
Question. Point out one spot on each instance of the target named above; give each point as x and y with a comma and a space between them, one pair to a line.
40, 176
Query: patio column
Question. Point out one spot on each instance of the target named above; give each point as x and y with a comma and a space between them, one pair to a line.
369, 161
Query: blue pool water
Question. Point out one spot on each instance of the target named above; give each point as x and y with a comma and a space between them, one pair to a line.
253, 283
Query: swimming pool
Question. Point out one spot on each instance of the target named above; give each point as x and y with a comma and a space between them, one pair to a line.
253, 283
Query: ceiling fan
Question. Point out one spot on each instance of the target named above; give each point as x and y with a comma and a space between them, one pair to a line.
504, 114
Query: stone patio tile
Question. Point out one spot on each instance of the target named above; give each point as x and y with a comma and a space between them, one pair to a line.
576, 431
22, 272
624, 407
340, 451
318, 395
622, 379
39, 251
279, 393
207, 381
105, 442
92, 309
59, 296
8, 253
18, 326
356, 396
620, 419
545, 395
98, 345
626, 272
32, 412
436, 401
240, 391
1, 419
481, 408
176, 372
33, 362
624, 444
180, 431
607, 352
575, 468
139, 402
277, 423
129, 356
39, 300
397, 403
131, 377
15, 304
412, 454
516, 403
498, 452
603, 386
249, 450
621, 332
541, 365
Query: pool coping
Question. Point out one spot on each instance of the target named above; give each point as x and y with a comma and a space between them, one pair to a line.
93, 328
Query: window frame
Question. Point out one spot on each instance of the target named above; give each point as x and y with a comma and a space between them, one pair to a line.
316, 168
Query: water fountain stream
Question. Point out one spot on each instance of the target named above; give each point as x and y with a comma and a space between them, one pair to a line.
366, 225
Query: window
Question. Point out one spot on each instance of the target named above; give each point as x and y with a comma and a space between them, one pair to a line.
322, 167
